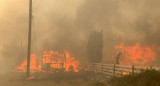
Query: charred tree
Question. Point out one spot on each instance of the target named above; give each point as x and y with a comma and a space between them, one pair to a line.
95, 47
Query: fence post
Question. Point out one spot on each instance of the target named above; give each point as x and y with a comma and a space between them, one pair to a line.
102, 68
150, 68
94, 67
132, 70
91, 67
114, 67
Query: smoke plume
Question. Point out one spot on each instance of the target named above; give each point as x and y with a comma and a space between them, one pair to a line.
66, 25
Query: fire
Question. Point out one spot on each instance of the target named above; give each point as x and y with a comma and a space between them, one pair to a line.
30, 78
33, 65
59, 61
71, 62
125, 73
51, 61
137, 55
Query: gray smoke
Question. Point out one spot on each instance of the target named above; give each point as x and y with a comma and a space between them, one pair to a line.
66, 25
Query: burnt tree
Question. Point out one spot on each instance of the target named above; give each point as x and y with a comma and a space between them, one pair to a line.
95, 47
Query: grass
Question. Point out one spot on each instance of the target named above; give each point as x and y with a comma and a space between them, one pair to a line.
145, 78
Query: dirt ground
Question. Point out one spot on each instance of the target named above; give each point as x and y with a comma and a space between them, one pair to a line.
57, 79
47, 83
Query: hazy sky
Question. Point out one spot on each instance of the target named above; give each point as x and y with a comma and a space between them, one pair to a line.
66, 24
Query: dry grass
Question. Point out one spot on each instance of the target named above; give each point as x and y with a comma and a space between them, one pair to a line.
59, 79
145, 78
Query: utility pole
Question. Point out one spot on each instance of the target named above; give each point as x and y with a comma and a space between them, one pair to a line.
29, 38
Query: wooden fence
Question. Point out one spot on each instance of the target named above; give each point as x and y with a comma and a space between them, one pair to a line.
112, 70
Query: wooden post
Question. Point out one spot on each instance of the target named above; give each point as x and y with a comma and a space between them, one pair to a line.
150, 68
114, 67
102, 68
132, 70
29, 38
93, 68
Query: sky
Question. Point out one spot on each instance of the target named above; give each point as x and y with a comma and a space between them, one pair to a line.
67, 24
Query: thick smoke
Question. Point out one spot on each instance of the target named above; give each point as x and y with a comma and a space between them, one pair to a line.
66, 25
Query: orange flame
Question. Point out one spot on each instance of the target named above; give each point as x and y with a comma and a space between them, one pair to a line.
33, 65
30, 78
53, 60
125, 73
137, 55
71, 61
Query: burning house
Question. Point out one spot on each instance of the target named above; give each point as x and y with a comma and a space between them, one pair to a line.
53, 61
50, 62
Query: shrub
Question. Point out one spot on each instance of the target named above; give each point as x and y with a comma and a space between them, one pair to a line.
145, 78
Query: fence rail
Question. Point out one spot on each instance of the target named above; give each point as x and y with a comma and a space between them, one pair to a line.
112, 70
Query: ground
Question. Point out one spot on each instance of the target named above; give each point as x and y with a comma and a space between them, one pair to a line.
57, 79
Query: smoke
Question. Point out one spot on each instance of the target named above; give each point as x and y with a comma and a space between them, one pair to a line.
66, 25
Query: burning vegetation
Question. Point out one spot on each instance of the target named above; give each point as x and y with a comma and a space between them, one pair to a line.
137, 54
51, 61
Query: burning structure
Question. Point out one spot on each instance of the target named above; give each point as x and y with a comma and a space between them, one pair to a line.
51, 61
95, 47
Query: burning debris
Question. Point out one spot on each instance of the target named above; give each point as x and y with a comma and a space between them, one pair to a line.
50, 62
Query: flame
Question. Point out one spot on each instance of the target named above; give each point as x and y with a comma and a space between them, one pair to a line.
30, 78
51, 62
125, 73
71, 61
137, 55
57, 60
33, 65
54, 59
